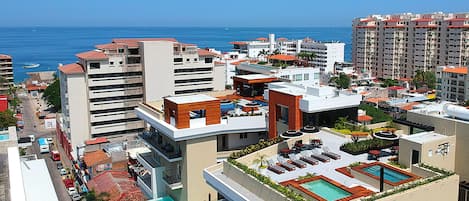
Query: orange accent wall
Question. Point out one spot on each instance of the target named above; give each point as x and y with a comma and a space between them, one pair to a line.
181, 112
295, 116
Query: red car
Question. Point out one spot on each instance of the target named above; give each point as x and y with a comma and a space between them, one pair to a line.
69, 183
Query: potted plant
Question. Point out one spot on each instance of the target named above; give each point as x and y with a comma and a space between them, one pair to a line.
261, 160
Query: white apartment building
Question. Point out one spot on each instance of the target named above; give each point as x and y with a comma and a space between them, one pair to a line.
100, 91
229, 60
189, 133
395, 46
299, 75
6, 72
451, 83
326, 53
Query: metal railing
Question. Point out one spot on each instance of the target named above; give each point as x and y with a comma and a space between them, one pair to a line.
167, 149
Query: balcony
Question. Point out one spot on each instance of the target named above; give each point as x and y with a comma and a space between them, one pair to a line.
144, 182
172, 181
147, 160
169, 152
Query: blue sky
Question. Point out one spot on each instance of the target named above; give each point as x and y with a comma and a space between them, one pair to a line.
206, 13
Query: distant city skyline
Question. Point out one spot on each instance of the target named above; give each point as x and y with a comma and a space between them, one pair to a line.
211, 13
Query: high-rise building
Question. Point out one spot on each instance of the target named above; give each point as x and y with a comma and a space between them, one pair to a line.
100, 91
451, 82
6, 73
396, 46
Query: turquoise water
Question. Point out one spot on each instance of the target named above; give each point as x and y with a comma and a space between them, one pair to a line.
389, 174
165, 198
326, 190
4, 137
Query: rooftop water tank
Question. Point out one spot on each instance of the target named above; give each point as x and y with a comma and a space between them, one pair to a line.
456, 111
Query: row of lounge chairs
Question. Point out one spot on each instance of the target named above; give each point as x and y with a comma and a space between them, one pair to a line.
312, 157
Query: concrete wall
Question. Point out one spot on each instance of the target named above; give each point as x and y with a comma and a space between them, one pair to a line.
235, 141
251, 183
194, 186
447, 126
157, 61
430, 192
442, 161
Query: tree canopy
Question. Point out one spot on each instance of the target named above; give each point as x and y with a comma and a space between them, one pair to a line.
389, 83
52, 95
91, 196
377, 114
342, 82
426, 78
7, 119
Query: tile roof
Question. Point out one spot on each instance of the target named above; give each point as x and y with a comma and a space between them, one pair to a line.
408, 106
238, 43
376, 100
4, 56
111, 46
457, 19
93, 158
118, 184
204, 52
396, 88
423, 20
32, 87
457, 70
262, 39
283, 57
71, 69
133, 42
92, 55
98, 140
282, 39
364, 118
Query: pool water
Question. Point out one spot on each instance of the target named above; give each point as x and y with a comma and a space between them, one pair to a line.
4, 137
262, 103
389, 174
326, 190
165, 198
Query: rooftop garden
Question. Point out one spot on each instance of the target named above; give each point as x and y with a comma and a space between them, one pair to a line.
377, 114
441, 174
364, 146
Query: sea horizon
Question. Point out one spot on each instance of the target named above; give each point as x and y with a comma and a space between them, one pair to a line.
50, 46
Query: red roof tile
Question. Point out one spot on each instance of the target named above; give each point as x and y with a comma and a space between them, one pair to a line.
71, 69
133, 42
457, 27
282, 39
111, 46
409, 106
118, 184
364, 118
92, 55
238, 62
93, 158
238, 43
283, 57
219, 63
423, 20
366, 27
98, 140
262, 39
457, 70
204, 52
458, 19
392, 20
396, 88
376, 100
367, 20
35, 87
4, 56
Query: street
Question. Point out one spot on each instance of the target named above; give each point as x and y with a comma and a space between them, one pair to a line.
33, 126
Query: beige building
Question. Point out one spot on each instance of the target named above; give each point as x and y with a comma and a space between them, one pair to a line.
428, 147
188, 134
449, 120
451, 82
100, 91
395, 46
6, 72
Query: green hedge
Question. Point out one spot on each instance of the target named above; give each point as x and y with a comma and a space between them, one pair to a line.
364, 146
441, 175
255, 147
377, 114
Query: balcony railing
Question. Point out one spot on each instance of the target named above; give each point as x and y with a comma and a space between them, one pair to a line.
145, 183
173, 181
167, 150
147, 160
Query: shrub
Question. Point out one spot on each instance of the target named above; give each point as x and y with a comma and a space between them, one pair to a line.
377, 114
364, 146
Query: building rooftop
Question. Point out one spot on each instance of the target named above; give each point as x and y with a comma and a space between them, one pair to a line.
283, 57
93, 158
92, 55
255, 77
72, 69
190, 98
4, 56
457, 70
204, 52
422, 138
118, 185
112, 46
133, 42
37, 181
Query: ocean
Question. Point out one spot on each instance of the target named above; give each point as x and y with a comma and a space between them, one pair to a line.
50, 46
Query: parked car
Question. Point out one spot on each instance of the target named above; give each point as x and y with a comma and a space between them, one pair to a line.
63, 172
32, 138
72, 191
76, 197
59, 166
50, 140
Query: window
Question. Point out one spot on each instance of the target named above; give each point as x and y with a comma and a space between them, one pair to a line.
177, 59
306, 76
120, 62
121, 50
297, 77
111, 63
316, 76
95, 65
208, 60
188, 59
430, 153
243, 136
195, 59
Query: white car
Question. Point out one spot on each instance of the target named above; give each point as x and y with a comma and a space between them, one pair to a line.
50, 140
72, 191
32, 137
63, 172
76, 197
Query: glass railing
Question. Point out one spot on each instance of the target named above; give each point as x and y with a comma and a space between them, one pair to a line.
167, 149
171, 178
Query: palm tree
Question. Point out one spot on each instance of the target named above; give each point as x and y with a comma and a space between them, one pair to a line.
261, 159
91, 196
275, 52
263, 52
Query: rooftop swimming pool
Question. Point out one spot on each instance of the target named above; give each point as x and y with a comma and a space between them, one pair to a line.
326, 190
165, 198
389, 174
4, 137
